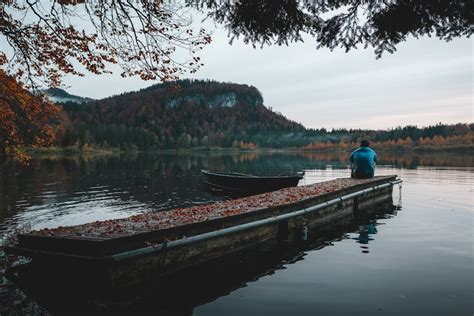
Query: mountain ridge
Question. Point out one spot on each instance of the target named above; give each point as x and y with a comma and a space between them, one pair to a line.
186, 113
58, 95
207, 113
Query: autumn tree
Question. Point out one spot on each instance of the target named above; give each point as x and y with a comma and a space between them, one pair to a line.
48, 39
152, 39
25, 118
44, 40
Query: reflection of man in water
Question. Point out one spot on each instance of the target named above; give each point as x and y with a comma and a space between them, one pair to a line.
363, 161
364, 236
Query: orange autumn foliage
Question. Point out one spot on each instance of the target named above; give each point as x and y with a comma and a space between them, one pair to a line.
46, 40
25, 119
467, 138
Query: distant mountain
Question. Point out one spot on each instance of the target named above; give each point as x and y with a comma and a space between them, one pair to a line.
187, 113
57, 95
203, 113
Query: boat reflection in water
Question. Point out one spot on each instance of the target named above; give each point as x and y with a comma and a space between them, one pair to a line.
180, 293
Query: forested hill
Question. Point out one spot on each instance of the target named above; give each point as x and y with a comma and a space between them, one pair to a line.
188, 113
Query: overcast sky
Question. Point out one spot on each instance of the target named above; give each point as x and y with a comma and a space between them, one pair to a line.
426, 81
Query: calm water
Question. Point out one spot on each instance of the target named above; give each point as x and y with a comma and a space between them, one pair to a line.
417, 259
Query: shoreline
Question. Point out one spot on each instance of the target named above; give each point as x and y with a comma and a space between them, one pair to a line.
73, 151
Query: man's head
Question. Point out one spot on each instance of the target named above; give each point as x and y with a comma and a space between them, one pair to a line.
364, 143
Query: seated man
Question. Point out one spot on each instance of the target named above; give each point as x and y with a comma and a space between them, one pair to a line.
363, 161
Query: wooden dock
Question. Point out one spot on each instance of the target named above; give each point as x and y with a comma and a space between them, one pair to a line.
125, 252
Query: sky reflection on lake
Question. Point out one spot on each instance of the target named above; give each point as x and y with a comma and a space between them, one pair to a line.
418, 260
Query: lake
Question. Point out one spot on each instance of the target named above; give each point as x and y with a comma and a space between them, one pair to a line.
414, 258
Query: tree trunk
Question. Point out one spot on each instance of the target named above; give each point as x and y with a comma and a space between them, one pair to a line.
3, 150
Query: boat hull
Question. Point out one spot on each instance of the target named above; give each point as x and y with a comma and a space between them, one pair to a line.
249, 184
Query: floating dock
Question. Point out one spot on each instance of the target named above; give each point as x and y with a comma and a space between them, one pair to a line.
126, 252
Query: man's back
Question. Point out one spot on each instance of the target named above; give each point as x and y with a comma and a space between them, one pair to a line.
364, 159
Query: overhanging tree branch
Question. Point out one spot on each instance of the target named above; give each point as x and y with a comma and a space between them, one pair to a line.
73, 36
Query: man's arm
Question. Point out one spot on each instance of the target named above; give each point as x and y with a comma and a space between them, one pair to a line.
351, 159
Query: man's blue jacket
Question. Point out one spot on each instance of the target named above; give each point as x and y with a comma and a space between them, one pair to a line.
364, 159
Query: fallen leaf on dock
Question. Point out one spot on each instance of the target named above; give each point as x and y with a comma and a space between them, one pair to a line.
182, 216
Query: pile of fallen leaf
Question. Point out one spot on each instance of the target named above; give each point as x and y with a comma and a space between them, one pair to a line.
182, 216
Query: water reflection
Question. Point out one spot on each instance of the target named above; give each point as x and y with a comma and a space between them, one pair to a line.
71, 190
365, 235
179, 294
55, 191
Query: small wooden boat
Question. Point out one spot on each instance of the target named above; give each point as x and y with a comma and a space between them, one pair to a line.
245, 183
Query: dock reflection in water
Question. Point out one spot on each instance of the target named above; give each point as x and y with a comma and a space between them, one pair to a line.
180, 293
